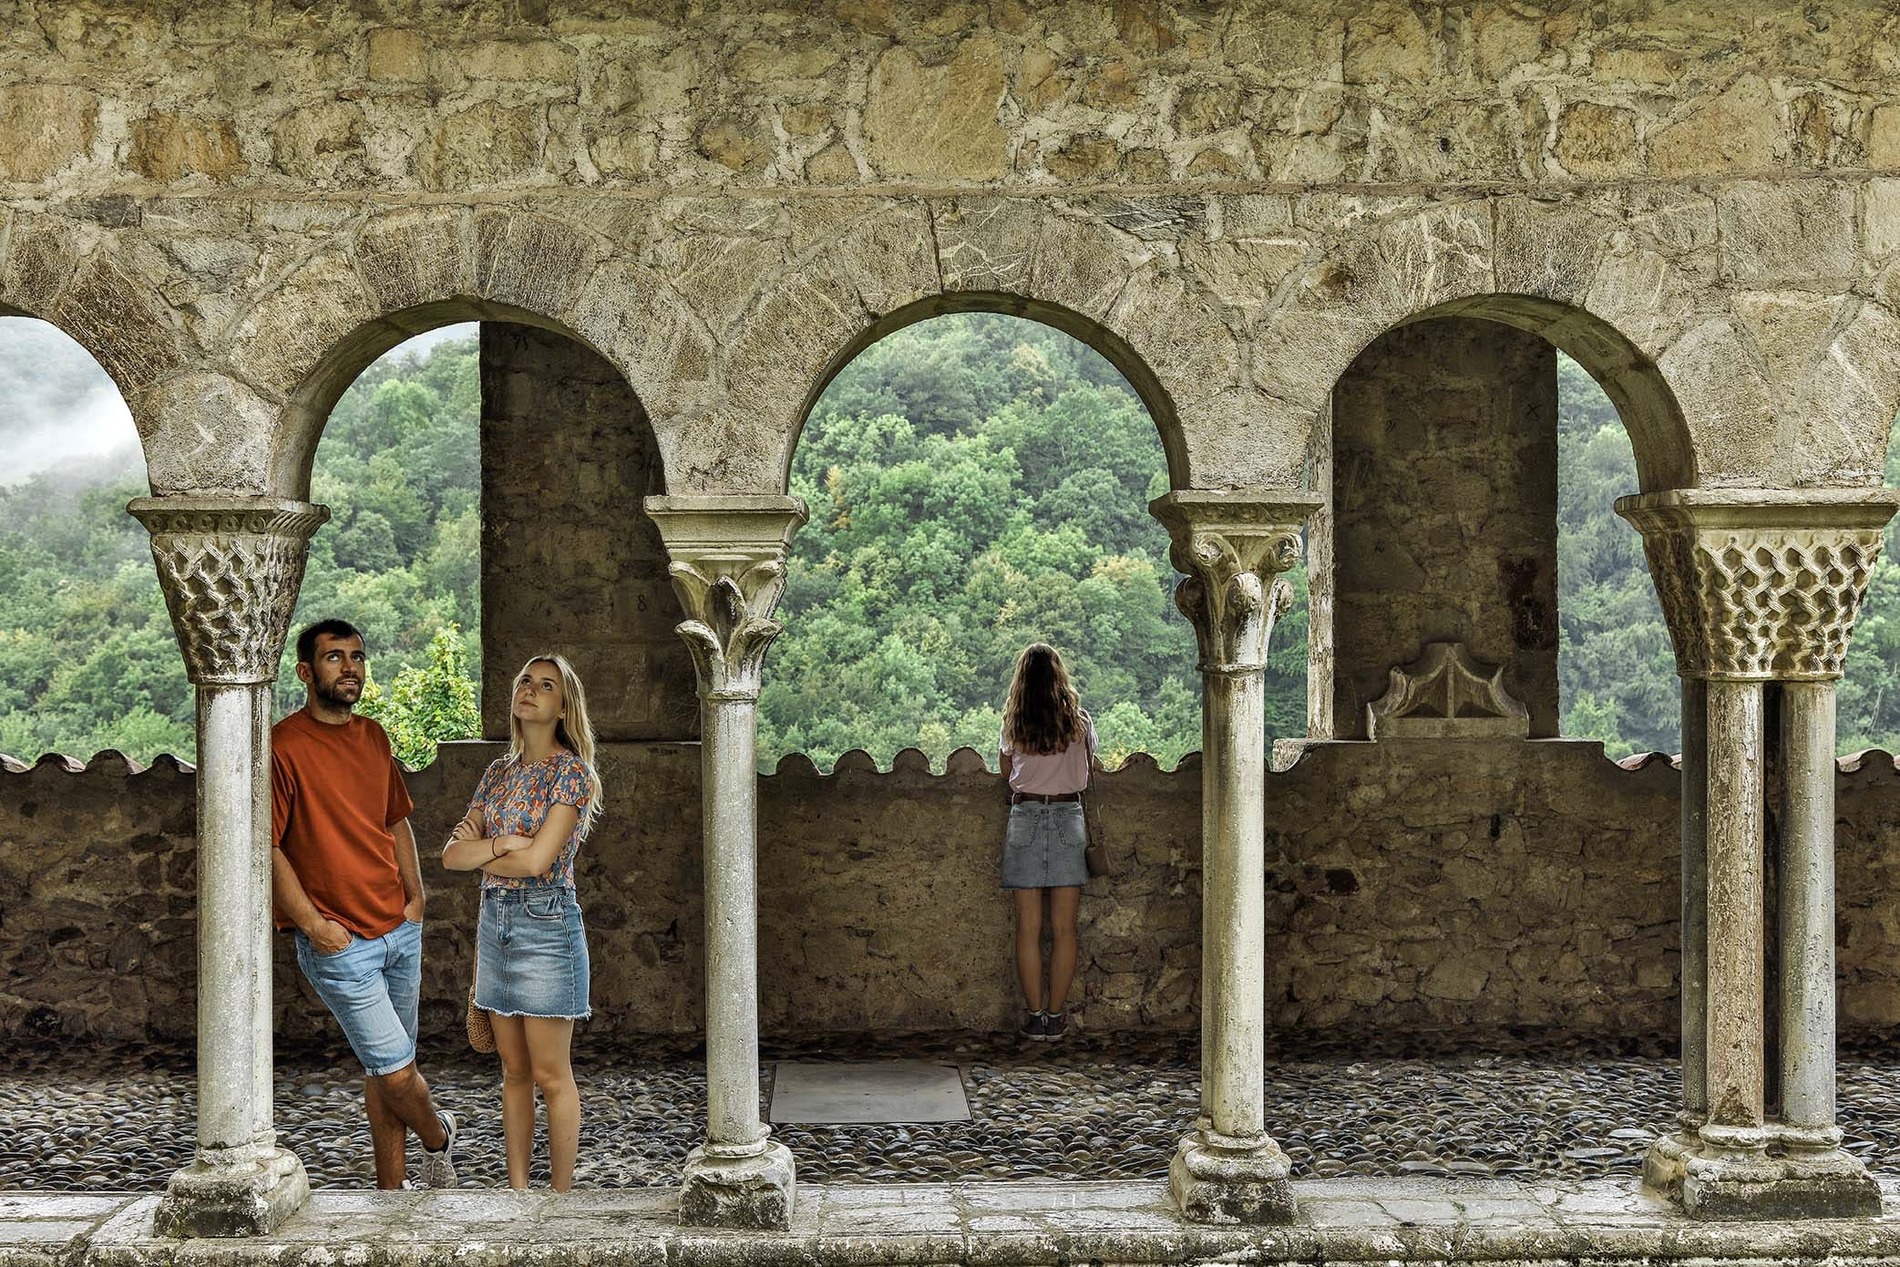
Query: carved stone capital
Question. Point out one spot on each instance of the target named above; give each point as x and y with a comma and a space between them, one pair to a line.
230, 568
728, 569
1232, 546
1761, 584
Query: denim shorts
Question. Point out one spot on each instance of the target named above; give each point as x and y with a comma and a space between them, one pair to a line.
1046, 846
531, 953
372, 987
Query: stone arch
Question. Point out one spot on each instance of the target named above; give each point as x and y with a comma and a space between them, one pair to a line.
1110, 284
1665, 451
394, 276
1148, 389
97, 287
1626, 287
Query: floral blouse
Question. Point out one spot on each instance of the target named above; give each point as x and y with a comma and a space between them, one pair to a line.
514, 800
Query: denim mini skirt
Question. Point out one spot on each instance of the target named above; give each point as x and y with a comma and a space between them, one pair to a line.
1046, 846
531, 953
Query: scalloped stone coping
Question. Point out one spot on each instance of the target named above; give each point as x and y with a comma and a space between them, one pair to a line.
978, 1224
105, 761
964, 760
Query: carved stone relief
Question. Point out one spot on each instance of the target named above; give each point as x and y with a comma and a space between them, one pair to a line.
1761, 584
230, 568
1446, 694
728, 569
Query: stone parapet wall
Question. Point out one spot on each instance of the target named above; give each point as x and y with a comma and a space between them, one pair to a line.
1411, 887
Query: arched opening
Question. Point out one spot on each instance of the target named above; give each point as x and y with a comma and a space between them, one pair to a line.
505, 471
976, 482
1450, 520
88, 660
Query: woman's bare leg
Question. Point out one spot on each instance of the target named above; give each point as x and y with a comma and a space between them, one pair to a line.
1029, 946
1063, 903
549, 1040
517, 1097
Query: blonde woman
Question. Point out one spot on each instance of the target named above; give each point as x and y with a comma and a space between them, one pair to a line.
1048, 749
524, 826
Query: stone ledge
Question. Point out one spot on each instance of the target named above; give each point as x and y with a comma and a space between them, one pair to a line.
979, 1224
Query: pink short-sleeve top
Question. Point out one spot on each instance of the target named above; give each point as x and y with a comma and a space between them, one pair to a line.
1052, 773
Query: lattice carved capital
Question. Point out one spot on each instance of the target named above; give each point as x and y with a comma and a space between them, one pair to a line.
1761, 584
230, 568
1232, 548
728, 569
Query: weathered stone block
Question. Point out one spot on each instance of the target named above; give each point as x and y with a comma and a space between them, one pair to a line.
398, 55
47, 128
170, 145
1790, 232
937, 120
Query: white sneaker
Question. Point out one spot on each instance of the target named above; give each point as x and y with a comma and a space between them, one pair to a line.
438, 1171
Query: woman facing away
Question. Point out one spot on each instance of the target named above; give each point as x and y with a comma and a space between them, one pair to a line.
1048, 750
524, 826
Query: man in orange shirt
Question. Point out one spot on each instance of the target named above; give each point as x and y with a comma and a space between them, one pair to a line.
345, 877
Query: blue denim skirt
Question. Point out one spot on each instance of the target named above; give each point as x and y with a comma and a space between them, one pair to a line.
1046, 846
531, 953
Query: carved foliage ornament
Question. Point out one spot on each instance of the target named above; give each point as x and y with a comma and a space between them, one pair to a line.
1774, 599
1446, 694
230, 569
1232, 594
1232, 548
729, 624
728, 570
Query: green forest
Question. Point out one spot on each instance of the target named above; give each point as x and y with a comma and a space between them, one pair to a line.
975, 482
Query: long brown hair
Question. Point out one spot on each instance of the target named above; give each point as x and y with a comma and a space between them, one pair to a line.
1043, 714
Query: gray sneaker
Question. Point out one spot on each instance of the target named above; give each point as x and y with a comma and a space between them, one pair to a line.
438, 1171
1034, 1026
1055, 1027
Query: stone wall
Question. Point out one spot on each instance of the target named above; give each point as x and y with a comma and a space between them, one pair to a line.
570, 561
235, 207
1444, 511
1412, 887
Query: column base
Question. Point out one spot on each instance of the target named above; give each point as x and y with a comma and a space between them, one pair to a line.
752, 1190
1217, 1179
1667, 1161
244, 1198
1743, 1183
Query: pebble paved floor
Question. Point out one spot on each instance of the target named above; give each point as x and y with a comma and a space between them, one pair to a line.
1096, 1109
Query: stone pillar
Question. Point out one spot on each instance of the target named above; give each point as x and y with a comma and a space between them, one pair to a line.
728, 569
1758, 585
230, 568
1232, 545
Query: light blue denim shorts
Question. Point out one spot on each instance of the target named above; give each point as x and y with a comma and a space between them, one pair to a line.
531, 953
1046, 846
372, 987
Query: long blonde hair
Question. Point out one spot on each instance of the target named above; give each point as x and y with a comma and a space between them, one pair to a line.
1043, 714
572, 731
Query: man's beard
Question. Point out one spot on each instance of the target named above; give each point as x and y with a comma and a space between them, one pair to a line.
334, 696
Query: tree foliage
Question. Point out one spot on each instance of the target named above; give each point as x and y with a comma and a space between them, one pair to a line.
976, 482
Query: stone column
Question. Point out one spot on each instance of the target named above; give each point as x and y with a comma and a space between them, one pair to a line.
728, 568
1232, 545
230, 569
1758, 585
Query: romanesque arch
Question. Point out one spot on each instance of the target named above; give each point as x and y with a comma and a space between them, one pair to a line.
901, 262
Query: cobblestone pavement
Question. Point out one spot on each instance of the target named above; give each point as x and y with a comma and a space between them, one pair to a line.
1094, 1108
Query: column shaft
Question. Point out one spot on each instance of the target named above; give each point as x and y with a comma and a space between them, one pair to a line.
233, 944
1233, 902
728, 764
1807, 905
1695, 899
1735, 972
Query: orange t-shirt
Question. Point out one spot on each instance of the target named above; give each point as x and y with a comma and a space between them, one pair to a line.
335, 793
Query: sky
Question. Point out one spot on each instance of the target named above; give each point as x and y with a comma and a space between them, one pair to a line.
58, 408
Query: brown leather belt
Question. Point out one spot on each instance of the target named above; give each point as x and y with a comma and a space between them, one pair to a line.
1017, 798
